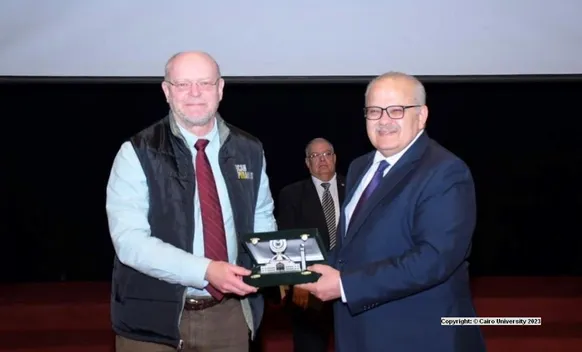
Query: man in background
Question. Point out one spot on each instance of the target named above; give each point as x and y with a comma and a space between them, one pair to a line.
178, 194
405, 235
313, 203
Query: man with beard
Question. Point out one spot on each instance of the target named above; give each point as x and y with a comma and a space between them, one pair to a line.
179, 193
312, 203
404, 236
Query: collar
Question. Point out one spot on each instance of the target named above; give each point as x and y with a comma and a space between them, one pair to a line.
393, 159
318, 182
219, 131
191, 138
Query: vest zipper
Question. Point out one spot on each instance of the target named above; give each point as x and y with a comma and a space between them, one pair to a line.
181, 343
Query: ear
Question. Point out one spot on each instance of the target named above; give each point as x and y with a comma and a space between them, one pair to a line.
423, 117
166, 89
221, 84
307, 163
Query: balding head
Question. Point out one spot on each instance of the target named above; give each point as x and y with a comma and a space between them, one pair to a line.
317, 142
395, 111
193, 88
418, 88
202, 60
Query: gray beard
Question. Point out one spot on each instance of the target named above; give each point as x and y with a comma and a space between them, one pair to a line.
200, 121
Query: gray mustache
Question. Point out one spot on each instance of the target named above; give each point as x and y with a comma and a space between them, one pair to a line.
393, 128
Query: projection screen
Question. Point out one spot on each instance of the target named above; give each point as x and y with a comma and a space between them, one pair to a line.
299, 38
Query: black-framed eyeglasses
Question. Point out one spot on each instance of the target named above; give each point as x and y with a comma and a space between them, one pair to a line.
313, 156
187, 85
395, 112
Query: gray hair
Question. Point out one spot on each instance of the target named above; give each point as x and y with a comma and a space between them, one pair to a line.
419, 94
315, 140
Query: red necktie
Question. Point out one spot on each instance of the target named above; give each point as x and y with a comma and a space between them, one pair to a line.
212, 222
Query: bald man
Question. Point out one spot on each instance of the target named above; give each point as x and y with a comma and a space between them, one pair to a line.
179, 192
404, 237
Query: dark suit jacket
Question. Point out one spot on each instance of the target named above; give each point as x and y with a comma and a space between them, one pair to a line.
299, 207
403, 260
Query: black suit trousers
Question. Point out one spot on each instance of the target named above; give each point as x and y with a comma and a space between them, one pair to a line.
312, 329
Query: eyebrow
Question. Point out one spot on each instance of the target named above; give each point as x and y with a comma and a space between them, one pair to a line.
198, 79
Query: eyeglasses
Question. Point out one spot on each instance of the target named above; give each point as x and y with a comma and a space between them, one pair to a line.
187, 85
319, 155
395, 112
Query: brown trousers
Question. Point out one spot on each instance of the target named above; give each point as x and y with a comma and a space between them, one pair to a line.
221, 328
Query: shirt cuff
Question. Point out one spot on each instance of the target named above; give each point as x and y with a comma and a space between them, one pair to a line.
342, 292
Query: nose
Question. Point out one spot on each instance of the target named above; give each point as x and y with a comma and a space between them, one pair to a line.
194, 90
385, 118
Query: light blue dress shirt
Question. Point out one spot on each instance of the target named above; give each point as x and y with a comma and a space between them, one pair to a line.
127, 210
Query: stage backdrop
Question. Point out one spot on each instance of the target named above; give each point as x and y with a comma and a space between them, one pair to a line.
265, 38
520, 140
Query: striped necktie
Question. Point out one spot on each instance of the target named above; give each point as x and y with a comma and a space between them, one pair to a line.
212, 221
329, 212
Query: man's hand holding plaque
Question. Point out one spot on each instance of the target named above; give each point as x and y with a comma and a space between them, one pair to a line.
328, 287
226, 278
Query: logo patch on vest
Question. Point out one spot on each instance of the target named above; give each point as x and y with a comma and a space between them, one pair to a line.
242, 173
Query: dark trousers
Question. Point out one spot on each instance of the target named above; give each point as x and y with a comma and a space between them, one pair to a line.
220, 328
312, 329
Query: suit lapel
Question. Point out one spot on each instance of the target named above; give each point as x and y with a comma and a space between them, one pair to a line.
360, 172
341, 189
311, 196
404, 167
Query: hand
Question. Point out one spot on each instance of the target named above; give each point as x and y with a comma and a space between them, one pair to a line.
327, 288
227, 278
300, 297
283, 289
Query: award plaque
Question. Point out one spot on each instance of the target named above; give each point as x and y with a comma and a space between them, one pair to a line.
282, 257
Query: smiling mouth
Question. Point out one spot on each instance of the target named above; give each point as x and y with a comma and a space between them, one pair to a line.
386, 133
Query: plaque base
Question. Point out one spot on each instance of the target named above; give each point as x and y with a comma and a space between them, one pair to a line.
270, 280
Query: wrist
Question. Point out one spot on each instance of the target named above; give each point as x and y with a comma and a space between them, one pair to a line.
210, 262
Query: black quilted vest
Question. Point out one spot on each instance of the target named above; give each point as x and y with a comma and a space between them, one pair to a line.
147, 309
